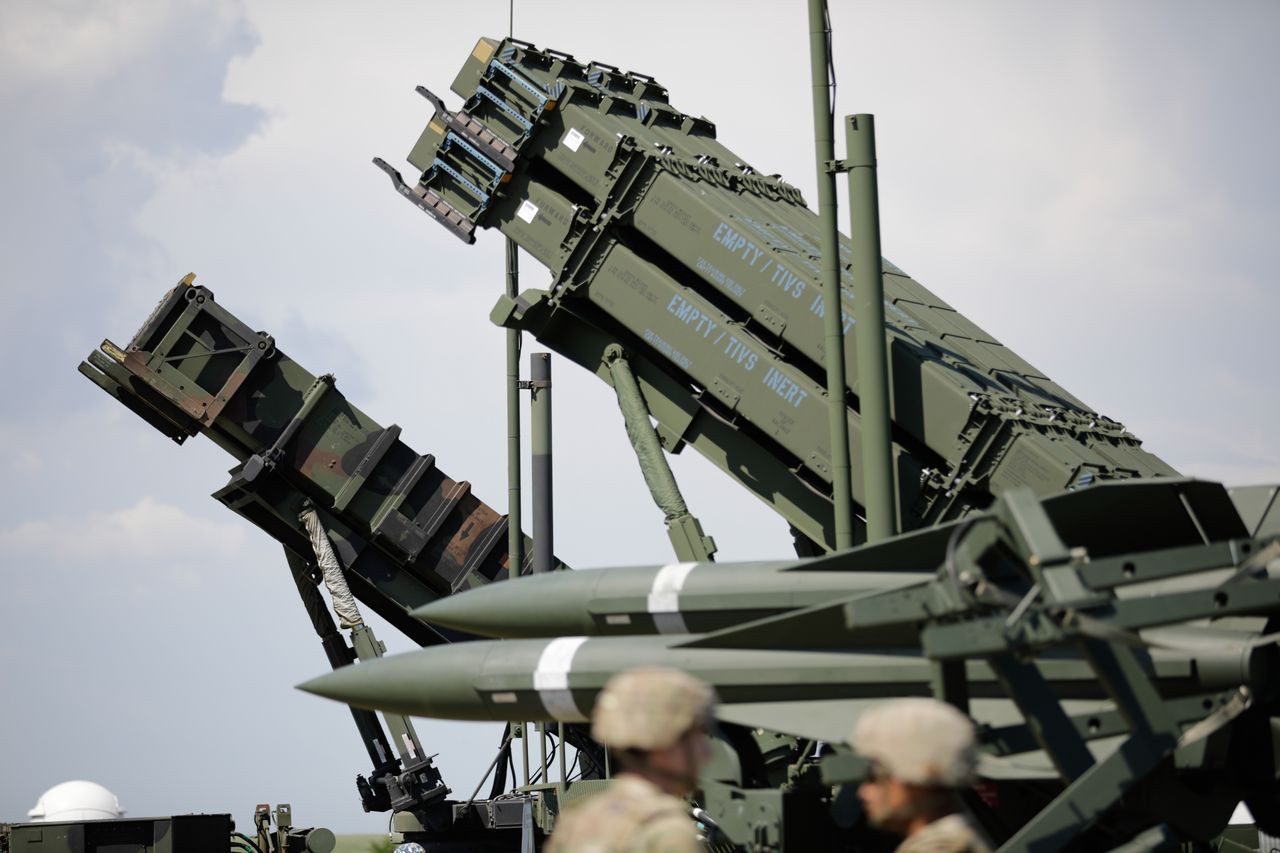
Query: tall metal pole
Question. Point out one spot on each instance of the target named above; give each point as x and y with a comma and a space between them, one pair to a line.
524, 746
515, 535
868, 287
564, 769
824, 153
540, 415
515, 530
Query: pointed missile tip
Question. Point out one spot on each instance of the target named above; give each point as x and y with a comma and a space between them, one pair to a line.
347, 685
448, 612
483, 611
315, 686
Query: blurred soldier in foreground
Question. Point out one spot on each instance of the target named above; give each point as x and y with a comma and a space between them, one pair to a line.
655, 721
922, 753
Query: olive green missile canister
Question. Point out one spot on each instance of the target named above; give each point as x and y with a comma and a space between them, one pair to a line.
558, 679
678, 598
405, 532
663, 242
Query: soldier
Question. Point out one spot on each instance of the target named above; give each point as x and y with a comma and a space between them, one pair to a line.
922, 752
655, 721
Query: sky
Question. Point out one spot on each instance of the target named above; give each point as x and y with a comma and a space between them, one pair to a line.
1094, 183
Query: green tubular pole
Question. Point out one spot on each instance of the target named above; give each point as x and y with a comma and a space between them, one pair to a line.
657, 473
524, 747
564, 772
540, 417
515, 538
868, 287
684, 530
823, 149
542, 742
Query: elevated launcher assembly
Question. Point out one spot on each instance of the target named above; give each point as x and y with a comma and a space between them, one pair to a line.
665, 245
683, 274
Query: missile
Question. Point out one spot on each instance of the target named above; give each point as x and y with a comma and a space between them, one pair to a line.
558, 679
680, 598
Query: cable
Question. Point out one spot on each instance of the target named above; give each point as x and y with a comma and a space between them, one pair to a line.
252, 845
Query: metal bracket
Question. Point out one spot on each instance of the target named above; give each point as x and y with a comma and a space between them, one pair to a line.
431, 204
272, 455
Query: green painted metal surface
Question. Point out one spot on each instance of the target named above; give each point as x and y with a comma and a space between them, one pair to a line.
821, 71
405, 532
1111, 643
663, 241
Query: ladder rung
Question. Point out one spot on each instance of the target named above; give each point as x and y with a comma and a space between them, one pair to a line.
360, 476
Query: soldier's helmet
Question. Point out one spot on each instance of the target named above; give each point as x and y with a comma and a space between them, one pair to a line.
650, 708
919, 741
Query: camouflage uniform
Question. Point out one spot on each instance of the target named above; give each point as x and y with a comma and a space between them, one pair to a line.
641, 710
929, 744
632, 816
954, 833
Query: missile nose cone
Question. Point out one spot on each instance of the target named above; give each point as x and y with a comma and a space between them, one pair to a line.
474, 611
553, 604
436, 682
333, 685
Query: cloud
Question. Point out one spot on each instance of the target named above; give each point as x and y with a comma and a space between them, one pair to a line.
147, 529
75, 46
43, 43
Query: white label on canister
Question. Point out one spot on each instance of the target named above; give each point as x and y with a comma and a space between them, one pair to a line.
551, 678
572, 139
664, 598
527, 211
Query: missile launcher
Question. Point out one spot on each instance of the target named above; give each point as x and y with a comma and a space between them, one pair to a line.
1109, 625
406, 532
663, 241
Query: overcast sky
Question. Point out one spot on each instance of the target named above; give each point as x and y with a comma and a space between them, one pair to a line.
1094, 183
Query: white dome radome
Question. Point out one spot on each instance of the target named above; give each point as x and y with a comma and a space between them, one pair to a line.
76, 800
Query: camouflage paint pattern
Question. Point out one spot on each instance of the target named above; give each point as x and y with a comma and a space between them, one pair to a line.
405, 532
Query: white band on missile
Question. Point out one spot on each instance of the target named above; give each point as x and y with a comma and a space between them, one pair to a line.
551, 679
664, 598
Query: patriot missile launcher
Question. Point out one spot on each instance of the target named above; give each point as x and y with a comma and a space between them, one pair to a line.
665, 245
406, 532
1123, 682
349, 500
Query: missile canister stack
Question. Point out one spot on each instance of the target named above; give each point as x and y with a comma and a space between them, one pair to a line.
396, 520
663, 241
396, 529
